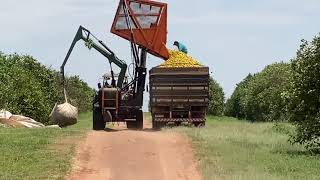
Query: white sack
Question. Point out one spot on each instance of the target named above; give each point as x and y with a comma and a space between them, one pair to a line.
5, 114
64, 114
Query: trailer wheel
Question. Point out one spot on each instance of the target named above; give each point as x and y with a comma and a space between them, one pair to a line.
138, 124
199, 124
155, 125
177, 123
98, 123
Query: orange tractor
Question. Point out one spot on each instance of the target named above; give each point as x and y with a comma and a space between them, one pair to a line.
144, 24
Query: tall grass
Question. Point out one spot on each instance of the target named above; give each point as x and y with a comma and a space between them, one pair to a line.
231, 149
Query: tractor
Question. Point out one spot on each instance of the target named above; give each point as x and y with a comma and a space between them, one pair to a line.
144, 24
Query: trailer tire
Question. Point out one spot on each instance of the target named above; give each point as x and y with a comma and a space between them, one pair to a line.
155, 125
178, 123
199, 124
98, 123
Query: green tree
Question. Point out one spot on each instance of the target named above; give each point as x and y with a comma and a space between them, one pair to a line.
216, 98
304, 95
234, 105
259, 97
263, 101
31, 89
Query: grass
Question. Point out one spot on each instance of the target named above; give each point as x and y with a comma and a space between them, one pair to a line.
43, 153
229, 149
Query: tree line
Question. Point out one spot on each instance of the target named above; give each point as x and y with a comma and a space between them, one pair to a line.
287, 92
32, 89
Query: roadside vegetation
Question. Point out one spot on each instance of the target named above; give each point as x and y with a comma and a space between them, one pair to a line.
31, 89
228, 148
40, 153
284, 92
259, 97
216, 98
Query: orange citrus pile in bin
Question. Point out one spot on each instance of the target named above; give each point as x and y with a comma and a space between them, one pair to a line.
179, 59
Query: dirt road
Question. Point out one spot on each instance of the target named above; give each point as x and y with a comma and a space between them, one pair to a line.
121, 154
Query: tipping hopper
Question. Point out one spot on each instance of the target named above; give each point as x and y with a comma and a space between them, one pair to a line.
144, 23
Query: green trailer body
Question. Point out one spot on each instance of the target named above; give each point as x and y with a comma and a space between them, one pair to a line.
179, 95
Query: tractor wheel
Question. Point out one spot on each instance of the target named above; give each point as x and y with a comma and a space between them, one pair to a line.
138, 124
107, 117
139, 119
131, 125
98, 123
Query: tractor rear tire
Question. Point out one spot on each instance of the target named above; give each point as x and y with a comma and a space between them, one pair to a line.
138, 124
140, 120
98, 123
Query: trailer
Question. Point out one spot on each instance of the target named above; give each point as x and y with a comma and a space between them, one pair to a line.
179, 95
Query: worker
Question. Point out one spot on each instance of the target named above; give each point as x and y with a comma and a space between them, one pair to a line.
181, 47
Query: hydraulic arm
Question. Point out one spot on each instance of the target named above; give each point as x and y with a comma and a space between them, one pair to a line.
85, 35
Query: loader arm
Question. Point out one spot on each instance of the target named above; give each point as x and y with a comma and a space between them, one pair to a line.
85, 34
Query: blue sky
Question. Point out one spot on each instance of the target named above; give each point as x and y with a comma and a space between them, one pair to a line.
233, 38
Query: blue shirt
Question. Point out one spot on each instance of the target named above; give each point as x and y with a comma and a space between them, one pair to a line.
183, 48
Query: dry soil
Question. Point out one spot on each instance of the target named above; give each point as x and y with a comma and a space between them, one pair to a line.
121, 154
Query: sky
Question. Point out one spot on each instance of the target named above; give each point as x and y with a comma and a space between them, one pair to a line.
233, 38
